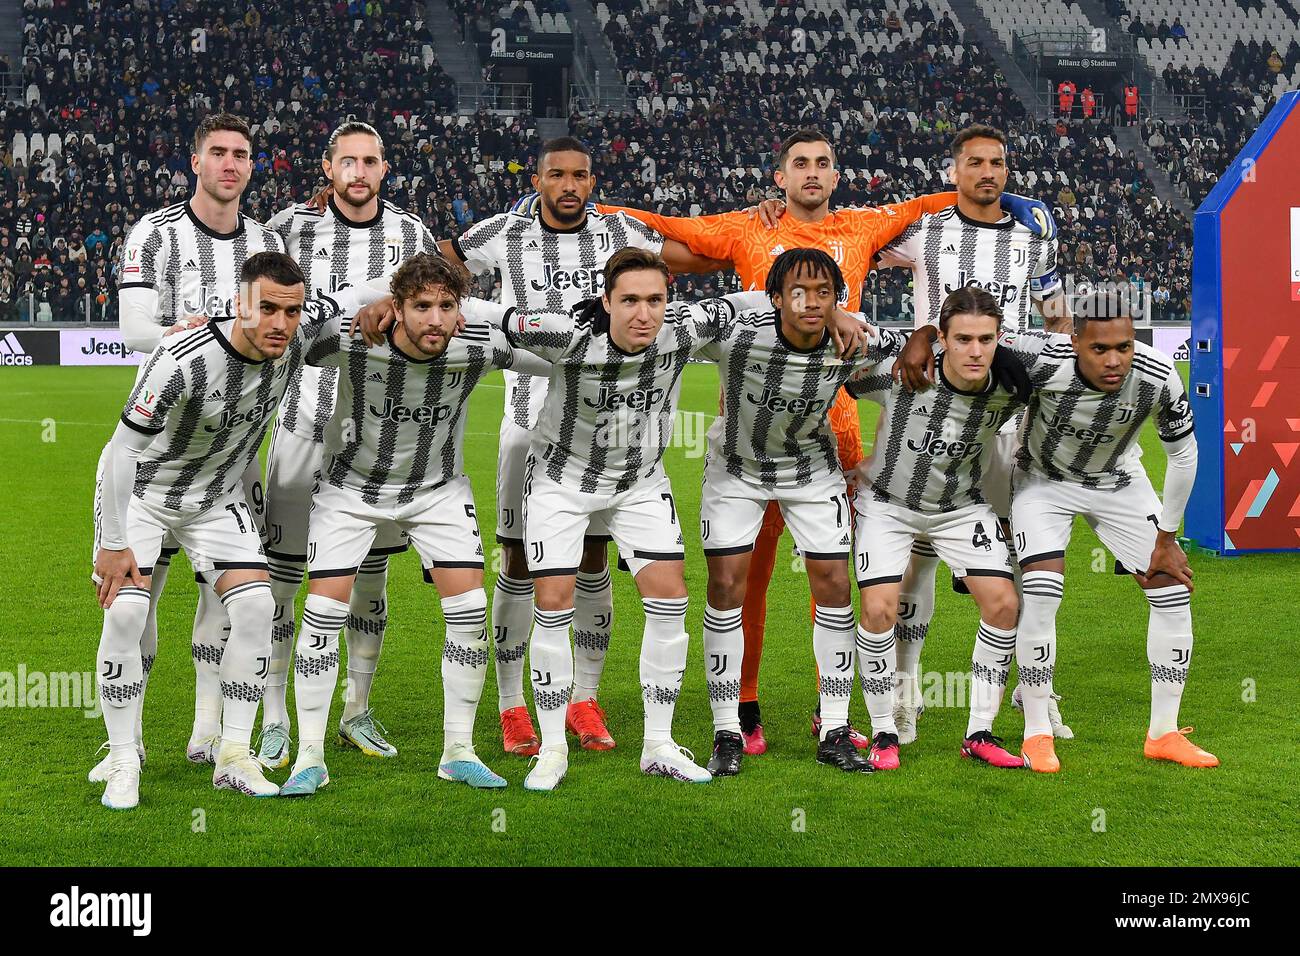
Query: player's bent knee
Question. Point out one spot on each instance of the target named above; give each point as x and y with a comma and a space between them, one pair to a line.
250, 606
554, 592
514, 562
662, 579
879, 611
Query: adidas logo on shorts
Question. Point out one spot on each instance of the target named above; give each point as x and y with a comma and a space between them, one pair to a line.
845, 539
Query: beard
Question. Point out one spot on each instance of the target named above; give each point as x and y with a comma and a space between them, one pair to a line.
567, 219
344, 194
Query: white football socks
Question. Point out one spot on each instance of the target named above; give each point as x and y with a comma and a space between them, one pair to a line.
663, 662
915, 610
724, 650
876, 653
593, 617
512, 616
1169, 652
552, 665
464, 663
833, 634
316, 666
245, 661
119, 668
207, 645
364, 637
990, 665
1036, 647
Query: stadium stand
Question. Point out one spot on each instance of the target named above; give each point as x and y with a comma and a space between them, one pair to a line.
717, 88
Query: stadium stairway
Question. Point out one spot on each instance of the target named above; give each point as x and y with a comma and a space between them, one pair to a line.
981, 31
459, 58
1131, 138
583, 18
11, 43
1148, 80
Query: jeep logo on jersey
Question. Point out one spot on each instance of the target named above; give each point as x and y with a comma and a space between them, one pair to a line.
772, 400
1060, 423
639, 399
258, 414
931, 444
206, 301
1004, 292
419, 414
590, 281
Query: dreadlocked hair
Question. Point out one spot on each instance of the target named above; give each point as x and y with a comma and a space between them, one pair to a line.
809, 262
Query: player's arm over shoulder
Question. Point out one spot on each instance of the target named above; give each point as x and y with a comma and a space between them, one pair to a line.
482, 246
713, 237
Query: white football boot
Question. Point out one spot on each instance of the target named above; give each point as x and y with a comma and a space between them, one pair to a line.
549, 768
666, 759
907, 707
123, 783
238, 769
99, 772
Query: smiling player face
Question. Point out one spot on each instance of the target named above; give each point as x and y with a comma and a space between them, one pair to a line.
357, 169
808, 176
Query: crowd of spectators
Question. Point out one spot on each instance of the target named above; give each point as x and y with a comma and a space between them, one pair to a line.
122, 86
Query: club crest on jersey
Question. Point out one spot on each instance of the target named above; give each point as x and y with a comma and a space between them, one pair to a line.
1124, 414
774, 401
836, 249
589, 281
419, 414
231, 418
1019, 256
392, 251
1004, 292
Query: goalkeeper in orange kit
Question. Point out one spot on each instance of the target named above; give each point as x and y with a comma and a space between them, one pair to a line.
805, 171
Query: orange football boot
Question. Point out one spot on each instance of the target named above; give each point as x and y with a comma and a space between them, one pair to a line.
1039, 753
1176, 747
517, 733
586, 720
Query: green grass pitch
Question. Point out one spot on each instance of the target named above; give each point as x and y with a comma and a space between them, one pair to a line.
1109, 806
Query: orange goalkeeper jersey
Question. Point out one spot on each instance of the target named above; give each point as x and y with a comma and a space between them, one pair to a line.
852, 237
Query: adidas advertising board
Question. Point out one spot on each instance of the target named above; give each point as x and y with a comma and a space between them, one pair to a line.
20, 348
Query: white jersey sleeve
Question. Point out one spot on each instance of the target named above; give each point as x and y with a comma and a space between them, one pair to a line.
905, 250
548, 335
482, 246
1041, 353
145, 259
161, 384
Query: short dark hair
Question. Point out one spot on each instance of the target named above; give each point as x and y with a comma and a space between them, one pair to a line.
805, 135
968, 300
351, 128
221, 121
1102, 305
632, 259
562, 144
276, 266
978, 131
425, 270
812, 262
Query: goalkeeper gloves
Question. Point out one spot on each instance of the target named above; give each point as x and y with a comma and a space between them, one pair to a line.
1030, 213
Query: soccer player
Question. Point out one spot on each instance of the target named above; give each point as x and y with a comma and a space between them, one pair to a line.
355, 238
550, 262
805, 172
974, 243
394, 460
1094, 391
598, 455
178, 266
923, 482
192, 424
774, 443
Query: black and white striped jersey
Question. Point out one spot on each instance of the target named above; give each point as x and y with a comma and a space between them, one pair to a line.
608, 414
948, 251
776, 398
194, 270
1082, 435
547, 270
209, 406
334, 252
400, 424
932, 448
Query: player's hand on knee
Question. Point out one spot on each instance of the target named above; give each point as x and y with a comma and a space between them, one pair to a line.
373, 319
113, 571
1168, 558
